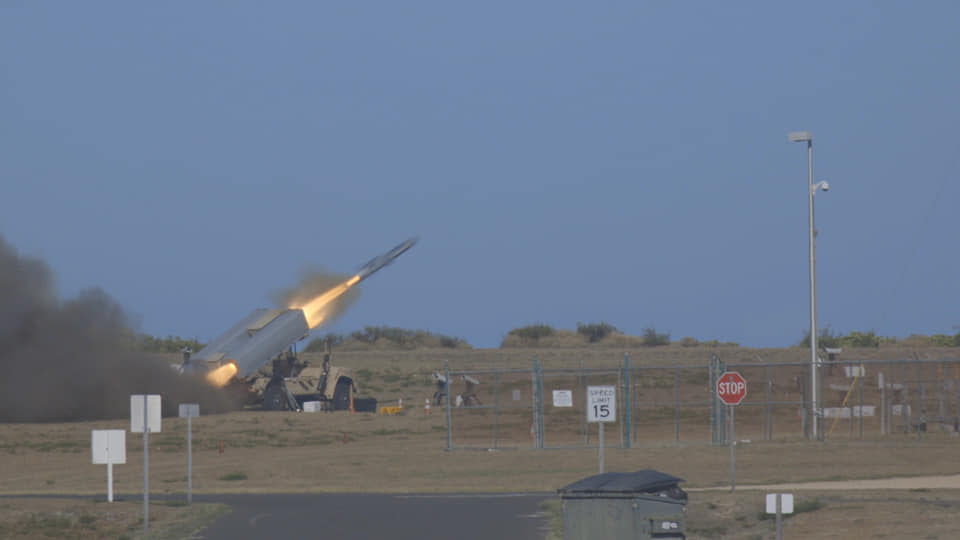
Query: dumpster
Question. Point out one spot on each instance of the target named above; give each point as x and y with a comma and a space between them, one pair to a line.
645, 504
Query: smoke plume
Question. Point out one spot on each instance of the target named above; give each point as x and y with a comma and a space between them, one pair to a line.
76, 359
313, 283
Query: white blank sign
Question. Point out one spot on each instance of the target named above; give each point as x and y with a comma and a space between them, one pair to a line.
108, 446
187, 410
136, 413
786, 503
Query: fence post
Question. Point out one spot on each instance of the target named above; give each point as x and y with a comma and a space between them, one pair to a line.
905, 398
676, 404
628, 421
446, 373
767, 416
542, 426
535, 424
583, 417
583, 392
921, 397
860, 392
496, 406
718, 411
941, 411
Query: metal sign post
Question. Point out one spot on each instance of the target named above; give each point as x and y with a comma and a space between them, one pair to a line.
144, 418
601, 408
733, 443
731, 389
188, 411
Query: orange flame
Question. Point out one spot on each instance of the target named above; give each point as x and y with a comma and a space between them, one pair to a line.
222, 375
315, 309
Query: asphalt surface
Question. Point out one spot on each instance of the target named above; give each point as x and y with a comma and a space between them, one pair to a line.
393, 517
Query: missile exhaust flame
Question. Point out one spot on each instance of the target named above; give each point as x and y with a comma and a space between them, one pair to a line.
222, 375
315, 309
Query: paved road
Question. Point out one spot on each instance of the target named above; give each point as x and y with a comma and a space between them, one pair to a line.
392, 517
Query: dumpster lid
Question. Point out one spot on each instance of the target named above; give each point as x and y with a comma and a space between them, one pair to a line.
619, 482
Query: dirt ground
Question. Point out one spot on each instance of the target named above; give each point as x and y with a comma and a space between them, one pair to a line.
880, 487
82, 519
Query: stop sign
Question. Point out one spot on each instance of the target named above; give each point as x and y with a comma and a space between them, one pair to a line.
731, 388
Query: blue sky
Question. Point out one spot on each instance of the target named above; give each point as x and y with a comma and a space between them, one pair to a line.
561, 162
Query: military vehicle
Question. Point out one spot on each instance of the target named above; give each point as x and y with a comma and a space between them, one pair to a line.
259, 352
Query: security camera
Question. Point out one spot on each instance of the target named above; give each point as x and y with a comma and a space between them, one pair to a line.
825, 185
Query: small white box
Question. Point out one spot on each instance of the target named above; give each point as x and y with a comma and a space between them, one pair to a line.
312, 406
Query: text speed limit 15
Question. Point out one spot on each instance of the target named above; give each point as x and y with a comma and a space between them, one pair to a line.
601, 404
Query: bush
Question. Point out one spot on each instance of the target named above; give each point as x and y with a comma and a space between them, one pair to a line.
826, 338
169, 344
533, 332
689, 342
943, 340
653, 339
594, 332
860, 339
407, 339
319, 344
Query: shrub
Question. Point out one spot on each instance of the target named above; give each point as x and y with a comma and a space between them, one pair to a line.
826, 338
389, 336
860, 339
533, 332
651, 338
169, 344
234, 476
319, 344
594, 332
943, 340
689, 342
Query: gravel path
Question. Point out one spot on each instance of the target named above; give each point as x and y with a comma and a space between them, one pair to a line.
911, 482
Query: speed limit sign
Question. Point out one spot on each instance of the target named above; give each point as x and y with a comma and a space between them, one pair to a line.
601, 404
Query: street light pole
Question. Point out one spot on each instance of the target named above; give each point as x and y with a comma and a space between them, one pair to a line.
807, 137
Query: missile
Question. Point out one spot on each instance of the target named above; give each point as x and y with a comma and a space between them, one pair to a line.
379, 262
267, 333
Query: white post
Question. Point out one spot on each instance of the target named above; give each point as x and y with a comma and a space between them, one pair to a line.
146, 466
109, 482
883, 406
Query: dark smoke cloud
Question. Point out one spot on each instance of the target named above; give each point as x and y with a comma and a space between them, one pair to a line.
313, 283
75, 359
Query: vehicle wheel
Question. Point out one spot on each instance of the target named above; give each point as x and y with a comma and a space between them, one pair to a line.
274, 398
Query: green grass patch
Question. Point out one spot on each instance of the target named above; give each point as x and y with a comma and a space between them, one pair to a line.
403, 431
234, 476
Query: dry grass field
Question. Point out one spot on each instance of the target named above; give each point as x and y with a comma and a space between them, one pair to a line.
264, 452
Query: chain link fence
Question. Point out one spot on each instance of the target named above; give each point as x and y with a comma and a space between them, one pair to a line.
542, 408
